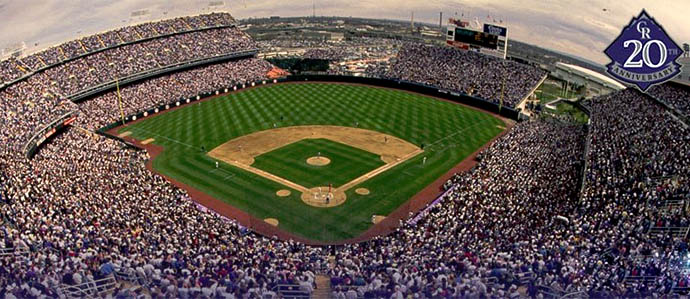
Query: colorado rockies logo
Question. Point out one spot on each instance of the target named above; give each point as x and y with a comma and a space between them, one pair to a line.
643, 54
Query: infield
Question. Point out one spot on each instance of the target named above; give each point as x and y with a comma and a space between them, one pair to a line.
449, 133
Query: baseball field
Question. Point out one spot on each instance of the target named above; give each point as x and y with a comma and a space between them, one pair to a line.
322, 161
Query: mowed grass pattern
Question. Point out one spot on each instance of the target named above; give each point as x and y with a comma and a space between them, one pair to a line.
290, 162
449, 131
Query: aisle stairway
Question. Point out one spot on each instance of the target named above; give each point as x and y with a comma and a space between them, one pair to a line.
323, 287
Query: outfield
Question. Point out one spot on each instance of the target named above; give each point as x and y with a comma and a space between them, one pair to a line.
449, 133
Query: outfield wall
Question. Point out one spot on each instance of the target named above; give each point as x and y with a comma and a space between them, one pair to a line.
387, 83
414, 87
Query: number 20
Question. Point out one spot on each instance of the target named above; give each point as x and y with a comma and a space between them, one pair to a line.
645, 53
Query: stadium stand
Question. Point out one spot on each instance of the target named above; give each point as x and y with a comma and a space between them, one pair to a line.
674, 95
85, 214
465, 71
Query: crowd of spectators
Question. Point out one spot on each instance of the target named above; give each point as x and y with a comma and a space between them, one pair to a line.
639, 163
44, 96
498, 219
127, 60
13, 68
470, 72
104, 109
674, 95
86, 207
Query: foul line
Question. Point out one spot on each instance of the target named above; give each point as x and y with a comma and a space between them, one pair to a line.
458, 132
342, 188
164, 137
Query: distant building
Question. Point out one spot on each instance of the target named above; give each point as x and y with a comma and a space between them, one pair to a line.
684, 76
576, 76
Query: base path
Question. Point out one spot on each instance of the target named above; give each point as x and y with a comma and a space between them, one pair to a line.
243, 149
240, 152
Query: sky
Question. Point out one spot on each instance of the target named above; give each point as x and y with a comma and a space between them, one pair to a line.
582, 27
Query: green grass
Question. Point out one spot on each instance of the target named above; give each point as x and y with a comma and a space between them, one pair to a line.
290, 162
548, 92
451, 132
568, 109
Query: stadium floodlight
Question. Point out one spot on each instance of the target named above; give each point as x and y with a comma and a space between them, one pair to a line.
216, 4
139, 13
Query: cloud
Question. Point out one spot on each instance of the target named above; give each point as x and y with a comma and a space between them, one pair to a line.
583, 27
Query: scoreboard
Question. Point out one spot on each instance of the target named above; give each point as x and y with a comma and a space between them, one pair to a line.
492, 41
477, 38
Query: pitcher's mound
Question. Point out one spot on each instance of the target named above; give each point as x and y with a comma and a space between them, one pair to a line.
362, 191
283, 193
271, 221
318, 161
321, 198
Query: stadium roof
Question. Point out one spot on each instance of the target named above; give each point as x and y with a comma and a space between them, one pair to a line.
590, 74
684, 77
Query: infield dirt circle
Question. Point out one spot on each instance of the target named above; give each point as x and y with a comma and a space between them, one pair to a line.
283, 193
318, 161
362, 191
321, 198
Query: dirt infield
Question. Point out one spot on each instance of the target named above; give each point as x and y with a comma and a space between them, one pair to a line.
388, 225
241, 151
318, 161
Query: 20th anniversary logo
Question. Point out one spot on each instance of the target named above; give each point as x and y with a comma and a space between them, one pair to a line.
643, 54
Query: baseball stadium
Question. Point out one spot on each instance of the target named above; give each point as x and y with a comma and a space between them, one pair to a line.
214, 149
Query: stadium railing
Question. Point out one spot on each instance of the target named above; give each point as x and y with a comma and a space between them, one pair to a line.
131, 276
548, 292
13, 251
290, 291
674, 203
45, 132
33, 72
675, 231
585, 167
92, 289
